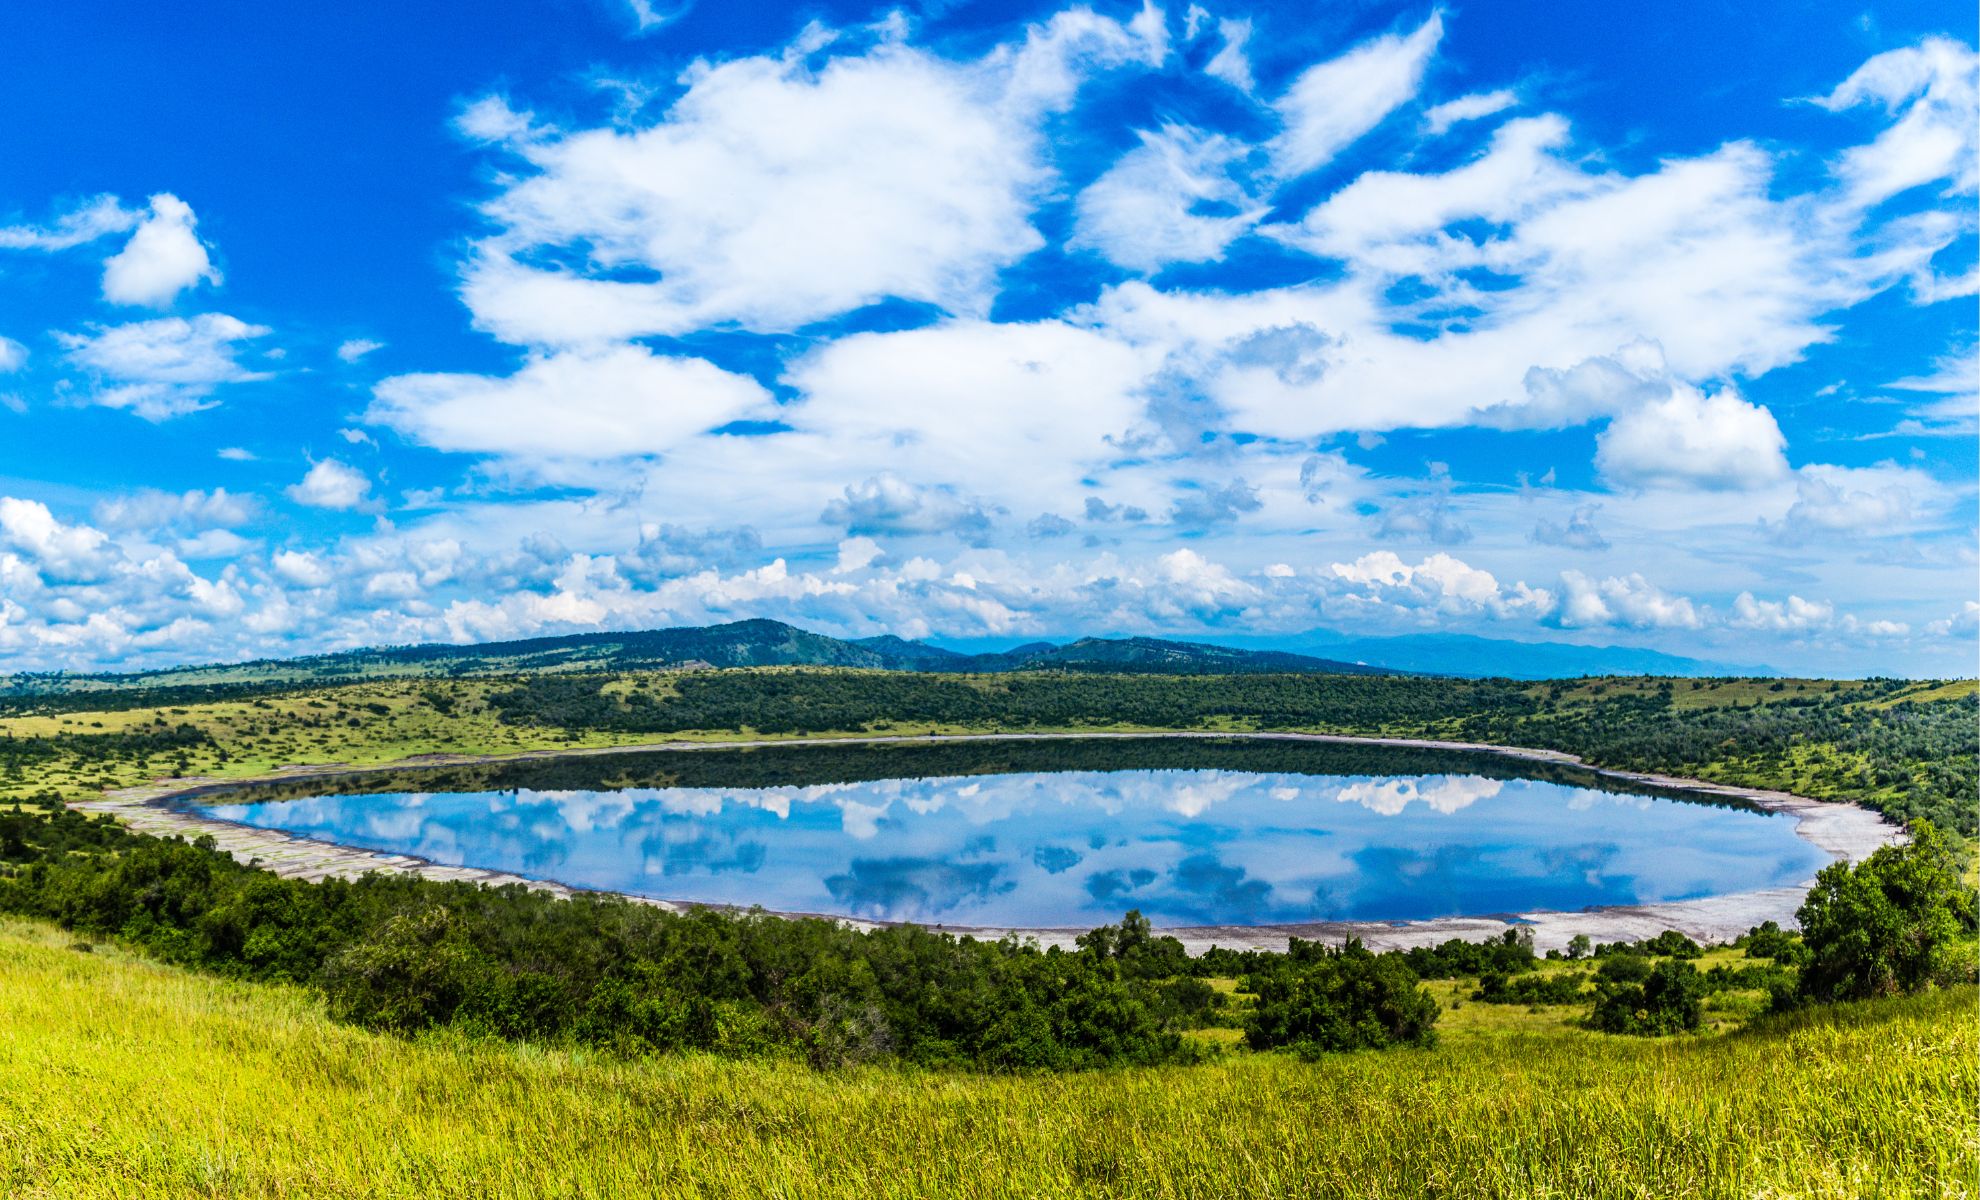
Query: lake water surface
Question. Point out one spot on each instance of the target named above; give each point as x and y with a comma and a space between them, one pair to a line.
1064, 835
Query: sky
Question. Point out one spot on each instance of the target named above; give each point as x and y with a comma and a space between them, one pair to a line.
324, 326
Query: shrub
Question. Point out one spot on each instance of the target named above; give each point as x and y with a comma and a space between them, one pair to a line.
1669, 1000
1346, 999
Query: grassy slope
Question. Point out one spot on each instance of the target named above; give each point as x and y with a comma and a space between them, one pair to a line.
121, 1077
256, 736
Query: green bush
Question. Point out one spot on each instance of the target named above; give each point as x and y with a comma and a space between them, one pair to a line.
1346, 999
1669, 1000
1889, 925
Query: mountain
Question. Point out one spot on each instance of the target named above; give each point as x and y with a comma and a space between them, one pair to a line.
753, 643
1466, 654
1145, 655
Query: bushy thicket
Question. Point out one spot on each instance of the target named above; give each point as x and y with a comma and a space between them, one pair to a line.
1320, 1000
402, 953
1668, 998
813, 701
134, 745
1897, 922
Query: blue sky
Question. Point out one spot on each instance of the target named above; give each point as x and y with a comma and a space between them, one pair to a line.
349, 325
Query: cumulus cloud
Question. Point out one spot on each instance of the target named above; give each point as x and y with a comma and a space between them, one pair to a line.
68, 553
163, 257
302, 568
773, 193
165, 367
1628, 600
614, 402
333, 485
1439, 582
1691, 439
1791, 615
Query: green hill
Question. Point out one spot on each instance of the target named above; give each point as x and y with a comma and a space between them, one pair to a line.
752, 643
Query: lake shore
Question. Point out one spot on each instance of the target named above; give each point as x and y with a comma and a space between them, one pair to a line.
1843, 831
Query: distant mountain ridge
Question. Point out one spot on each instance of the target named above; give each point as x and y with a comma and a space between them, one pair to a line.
751, 643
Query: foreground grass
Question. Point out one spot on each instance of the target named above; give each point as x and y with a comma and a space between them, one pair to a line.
120, 1077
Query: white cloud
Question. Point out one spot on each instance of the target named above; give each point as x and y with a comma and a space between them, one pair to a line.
164, 367
1026, 408
13, 356
1690, 439
772, 194
886, 503
1334, 103
1791, 615
152, 509
1440, 583
1439, 119
649, 17
1629, 600
1934, 89
99, 216
70, 553
331, 484
1144, 212
356, 348
1579, 533
1230, 63
163, 258
857, 553
1831, 502
615, 402
1964, 623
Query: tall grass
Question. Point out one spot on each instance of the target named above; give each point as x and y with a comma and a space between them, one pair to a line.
120, 1078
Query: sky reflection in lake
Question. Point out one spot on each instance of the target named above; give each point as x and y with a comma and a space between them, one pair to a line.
1187, 847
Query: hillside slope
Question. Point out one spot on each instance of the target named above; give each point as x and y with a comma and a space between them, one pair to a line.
120, 1077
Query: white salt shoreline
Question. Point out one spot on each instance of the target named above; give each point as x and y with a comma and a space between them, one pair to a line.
1843, 831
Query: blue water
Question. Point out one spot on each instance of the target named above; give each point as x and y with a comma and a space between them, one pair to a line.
1053, 849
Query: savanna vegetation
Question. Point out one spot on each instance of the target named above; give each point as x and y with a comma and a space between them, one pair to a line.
1909, 749
231, 1032
121, 1076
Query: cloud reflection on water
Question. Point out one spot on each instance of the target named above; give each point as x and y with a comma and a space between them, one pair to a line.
1076, 848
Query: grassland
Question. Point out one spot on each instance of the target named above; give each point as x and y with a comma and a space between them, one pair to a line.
389, 720
120, 1077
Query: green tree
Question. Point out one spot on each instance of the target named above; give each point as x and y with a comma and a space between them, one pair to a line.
1886, 926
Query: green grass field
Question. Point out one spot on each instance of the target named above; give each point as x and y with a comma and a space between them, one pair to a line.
120, 1077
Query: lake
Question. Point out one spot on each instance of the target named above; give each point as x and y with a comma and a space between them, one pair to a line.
1060, 834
